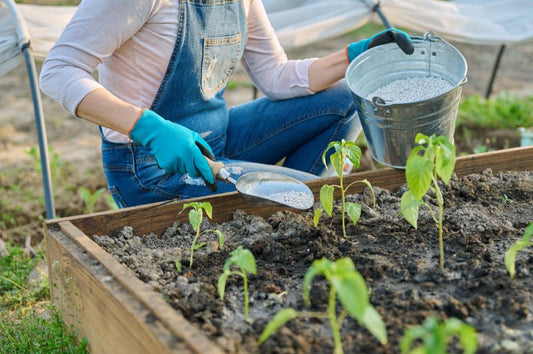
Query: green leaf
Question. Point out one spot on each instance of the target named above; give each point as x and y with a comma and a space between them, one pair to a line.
510, 254
369, 185
337, 162
410, 207
279, 320
243, 258
208, 209
332, 145
316, 216
418, 172
421, 139
445, 161
326, 198
190, 205
220, 238
222, 279
467, 334
178, 265
354, 211
353, 152
468, 339
374, 323
352, 292
198, 246
195, 218
316, 268
409, 336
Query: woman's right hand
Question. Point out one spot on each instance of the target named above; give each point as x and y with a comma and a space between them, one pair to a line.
176, 148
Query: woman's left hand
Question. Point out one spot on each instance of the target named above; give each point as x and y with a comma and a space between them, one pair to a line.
391, 35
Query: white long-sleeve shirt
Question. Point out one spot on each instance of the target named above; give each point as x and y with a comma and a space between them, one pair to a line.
130, 42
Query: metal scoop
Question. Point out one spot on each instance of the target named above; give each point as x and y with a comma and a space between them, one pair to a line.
267, 188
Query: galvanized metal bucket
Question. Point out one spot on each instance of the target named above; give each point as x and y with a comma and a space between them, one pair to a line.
390, 128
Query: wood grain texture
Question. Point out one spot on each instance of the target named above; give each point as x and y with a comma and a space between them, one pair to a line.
95, 304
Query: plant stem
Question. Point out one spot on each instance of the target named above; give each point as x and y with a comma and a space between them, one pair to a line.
335, 328
440, 203
245, 294
343, 208
192, 247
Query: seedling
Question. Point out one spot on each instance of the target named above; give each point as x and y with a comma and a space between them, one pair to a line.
436, 335
343, 150
433, 158
510, 255
348, 285
90, 198
244, 260
196, 215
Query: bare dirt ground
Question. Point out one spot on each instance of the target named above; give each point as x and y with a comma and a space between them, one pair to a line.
75, 144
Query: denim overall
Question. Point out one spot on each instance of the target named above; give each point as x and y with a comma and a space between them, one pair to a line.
252, 137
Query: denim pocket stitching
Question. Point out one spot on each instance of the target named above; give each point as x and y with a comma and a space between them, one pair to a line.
233, 46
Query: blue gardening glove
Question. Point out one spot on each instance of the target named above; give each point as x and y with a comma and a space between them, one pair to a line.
392, 35
176, 148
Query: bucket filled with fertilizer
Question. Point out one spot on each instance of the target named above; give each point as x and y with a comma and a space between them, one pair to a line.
400, 95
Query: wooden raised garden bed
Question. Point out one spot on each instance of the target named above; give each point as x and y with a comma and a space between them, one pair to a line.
104, 301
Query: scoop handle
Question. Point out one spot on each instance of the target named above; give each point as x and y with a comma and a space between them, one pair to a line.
219, 171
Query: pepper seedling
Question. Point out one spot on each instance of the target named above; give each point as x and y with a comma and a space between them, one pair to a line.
244, 260
510, 254
195, 218
436, 335
343, 150
434, 158
346, 284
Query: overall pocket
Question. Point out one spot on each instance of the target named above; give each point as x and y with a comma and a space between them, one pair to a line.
219, 61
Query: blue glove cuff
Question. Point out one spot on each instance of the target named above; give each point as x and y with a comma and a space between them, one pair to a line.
353, 50
390, 35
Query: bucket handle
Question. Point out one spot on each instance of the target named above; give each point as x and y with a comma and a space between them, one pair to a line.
432, 37
381, 107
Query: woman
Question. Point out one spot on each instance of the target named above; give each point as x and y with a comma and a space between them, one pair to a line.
163, 66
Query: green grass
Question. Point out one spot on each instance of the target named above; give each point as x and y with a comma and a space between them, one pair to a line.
28, 323
504, 111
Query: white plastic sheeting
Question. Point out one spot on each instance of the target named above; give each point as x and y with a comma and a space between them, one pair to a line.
484, 22
302, 22
13, 35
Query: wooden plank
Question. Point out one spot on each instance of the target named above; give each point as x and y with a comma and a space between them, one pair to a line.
177, 324
95, 306
516, 159
157, 217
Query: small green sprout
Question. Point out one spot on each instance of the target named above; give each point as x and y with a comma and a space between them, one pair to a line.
346, 284
510, 255
435, 336
90, 198
195, 218
245, 262
434, 158
343, 150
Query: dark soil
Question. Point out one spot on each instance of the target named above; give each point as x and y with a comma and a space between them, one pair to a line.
484, 215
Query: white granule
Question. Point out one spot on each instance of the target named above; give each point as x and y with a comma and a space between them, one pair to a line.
298, 200
411, 89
